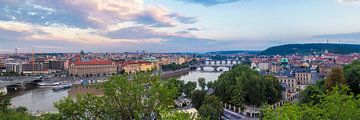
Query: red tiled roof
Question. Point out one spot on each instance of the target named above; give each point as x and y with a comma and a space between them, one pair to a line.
94, 62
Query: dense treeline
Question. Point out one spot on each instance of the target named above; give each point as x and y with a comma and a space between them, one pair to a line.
174, 66
311, 48
143, 97
335, 98
242, 85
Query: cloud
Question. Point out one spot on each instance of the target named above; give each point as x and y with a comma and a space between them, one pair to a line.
210, 2
91, 13
349, 1
350, 36
193, 29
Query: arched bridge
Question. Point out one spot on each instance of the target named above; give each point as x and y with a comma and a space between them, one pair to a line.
215, 64
16, 82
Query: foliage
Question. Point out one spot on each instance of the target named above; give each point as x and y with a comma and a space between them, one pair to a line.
335, 105
210, 84
352, 75
174, 66
202, 83
7, 113
242, 85
335, 78
142, 97
174, 83
198, 98
211, 109
311, 48
175, 115
189, 88
311, 95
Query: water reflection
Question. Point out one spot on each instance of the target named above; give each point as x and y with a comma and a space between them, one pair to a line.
42, 99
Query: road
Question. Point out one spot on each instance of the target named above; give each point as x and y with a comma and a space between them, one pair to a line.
230, 115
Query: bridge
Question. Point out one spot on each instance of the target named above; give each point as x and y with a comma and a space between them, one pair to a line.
16, 82
215, 64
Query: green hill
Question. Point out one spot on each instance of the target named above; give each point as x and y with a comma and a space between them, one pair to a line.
311, 48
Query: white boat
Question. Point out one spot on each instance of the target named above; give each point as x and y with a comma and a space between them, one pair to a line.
44, 84
62, 87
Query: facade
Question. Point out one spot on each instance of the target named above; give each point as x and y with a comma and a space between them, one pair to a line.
13, 67
36, 68
136, 66
289, 82
176, 60
304, 78
264, 66
92, 68
2, 67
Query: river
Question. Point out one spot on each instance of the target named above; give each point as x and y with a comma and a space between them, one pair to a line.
42, 99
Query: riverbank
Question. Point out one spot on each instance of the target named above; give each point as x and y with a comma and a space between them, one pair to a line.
175, 73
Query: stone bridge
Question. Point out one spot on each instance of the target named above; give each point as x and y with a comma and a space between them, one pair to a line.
17, 82
215, 64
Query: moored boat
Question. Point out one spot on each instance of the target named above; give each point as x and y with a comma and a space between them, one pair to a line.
62, 87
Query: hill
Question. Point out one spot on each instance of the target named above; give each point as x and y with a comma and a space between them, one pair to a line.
311, 48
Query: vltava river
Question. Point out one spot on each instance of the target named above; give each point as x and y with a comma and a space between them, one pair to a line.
42, 99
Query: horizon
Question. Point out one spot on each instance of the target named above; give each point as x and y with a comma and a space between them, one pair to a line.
100, 26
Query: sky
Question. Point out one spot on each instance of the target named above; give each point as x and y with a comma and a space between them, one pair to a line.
173, 25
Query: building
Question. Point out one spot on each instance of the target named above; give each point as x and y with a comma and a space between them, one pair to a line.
92, 68
35, 68
288, 80
303, 76
176, 60
264, 66
56, 65
136, 66
2, 67
13, 67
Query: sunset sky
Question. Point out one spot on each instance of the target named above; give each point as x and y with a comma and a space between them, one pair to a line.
173, 25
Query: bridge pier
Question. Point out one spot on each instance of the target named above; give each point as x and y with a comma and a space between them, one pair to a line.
215, 69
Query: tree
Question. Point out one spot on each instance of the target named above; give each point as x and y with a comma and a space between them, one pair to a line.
210, 84
352, 75
242, 85
311, 95
198, 98
212, 108
189, 88
335, 78
143, 97
7, 113
273, 89
337, 104
202, 83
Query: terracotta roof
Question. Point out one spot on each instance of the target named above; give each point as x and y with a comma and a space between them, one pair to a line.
94, 62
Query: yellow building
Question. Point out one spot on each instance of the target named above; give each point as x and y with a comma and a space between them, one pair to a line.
136, 66
289, 82
304, 78
175, 60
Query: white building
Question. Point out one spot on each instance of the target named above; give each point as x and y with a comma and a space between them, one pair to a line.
13, 67
264, 66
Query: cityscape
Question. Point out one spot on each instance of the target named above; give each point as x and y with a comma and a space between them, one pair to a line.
173, 60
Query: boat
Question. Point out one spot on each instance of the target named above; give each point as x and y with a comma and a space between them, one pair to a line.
62, 87
44, 84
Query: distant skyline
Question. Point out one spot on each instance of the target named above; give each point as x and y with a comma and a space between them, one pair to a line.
173, 25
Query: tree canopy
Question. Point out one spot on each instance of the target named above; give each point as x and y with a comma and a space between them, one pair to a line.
242, 85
